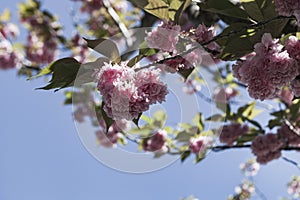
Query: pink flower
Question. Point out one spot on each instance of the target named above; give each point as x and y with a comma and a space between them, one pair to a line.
164, 37
191, 87
287, 96
294, 187
268, 70
155, 142
40, 51
223, 95
295, 86
267, 147
127, 93
200, 144
293, 47
230, 133
288, 8
288, 135
8, 58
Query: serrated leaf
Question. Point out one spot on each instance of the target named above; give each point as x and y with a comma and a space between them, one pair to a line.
105, 47
64, 72
253, 8
159, 119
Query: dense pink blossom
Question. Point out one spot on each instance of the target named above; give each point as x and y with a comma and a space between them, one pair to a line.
155, 142
40, 51
267, 147
202, 33
288, 8
230, 133
200, 144
164, 37
127, 93
289, 134
223, 95
295, 86
89, 6
292, 45
286, 95
8, 57
268, 70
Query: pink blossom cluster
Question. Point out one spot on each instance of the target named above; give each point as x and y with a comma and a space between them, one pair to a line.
43, 38
40, 51
89, 6
288, 8
294, 187
9, 30
113, 134
199, 144
80, 50
224, 94
127, 92
267, 71
245, 190
267, 147
289, 135
230, 133
191, 87
8, 57
155, 142
250, 168
286, 95
164, 37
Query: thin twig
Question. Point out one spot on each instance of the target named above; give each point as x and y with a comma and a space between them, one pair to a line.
118, 21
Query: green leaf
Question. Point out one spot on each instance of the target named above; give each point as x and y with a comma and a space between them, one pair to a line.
246, 110
216, 117
176, 8
198, 121
274, 122
185, 155
157, 8
246, 138
184, 136
159, 119
136, 121
185, 73
64, 72
224, 7
253, 8
105, 47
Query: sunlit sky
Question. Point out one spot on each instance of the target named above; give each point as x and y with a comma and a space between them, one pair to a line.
42, 157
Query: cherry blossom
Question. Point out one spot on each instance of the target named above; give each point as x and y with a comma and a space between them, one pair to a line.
127, 93
267, 147
155, 142
164, 37
200, 144
230, 133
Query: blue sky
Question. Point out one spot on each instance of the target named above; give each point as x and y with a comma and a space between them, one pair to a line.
42, 157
